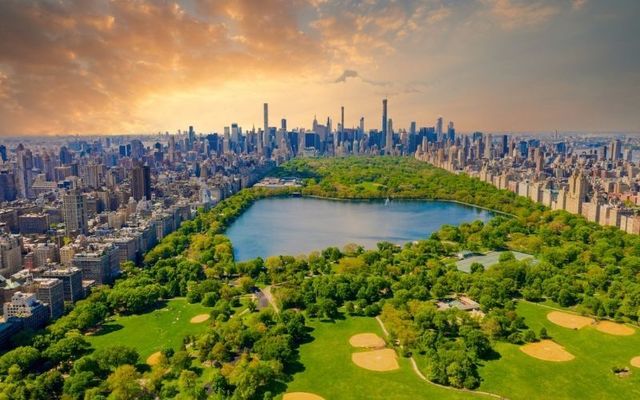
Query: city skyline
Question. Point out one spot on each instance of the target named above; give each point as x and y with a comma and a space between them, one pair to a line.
99, 67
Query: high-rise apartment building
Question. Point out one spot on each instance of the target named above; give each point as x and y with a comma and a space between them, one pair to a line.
384, 121
75, 213
50, 291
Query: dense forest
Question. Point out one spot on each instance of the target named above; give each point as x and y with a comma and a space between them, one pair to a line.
577, 264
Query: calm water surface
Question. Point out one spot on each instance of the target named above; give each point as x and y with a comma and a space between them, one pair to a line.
294, 226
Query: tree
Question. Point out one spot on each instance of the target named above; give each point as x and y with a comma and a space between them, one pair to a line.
110, 358
67, 349
529, 336
123, 384
189, 386
24, 357
476, 268
328, 308
249, 376
543, 333
76, 384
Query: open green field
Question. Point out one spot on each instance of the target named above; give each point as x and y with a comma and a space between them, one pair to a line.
330, 373
589, 376
153, 331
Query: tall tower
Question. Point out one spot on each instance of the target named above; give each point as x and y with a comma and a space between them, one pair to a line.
439, 129
265, 131
75, 214
384, 121
341, 134
141, 182
389, 137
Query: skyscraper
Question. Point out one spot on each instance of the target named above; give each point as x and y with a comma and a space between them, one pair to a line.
66, 157
75, 213
192, 137
384, 121
439, 129
172, 148
616, 150
141, 182
265, 131
341, 133
389, 137
451, 132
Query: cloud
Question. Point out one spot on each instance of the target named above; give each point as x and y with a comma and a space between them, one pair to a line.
350, 73
578, 4
85, 65
511, 14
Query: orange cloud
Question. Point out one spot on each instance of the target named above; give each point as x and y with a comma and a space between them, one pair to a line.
512, 14
83, 66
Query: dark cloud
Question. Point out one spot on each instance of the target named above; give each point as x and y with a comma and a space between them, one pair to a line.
350, 73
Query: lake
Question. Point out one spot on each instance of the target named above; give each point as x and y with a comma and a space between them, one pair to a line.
295, 225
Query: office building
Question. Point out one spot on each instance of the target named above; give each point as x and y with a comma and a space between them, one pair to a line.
141, 182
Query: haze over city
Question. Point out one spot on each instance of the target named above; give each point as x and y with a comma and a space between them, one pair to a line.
118, 67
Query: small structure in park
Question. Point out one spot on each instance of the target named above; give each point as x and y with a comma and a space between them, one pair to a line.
462, 303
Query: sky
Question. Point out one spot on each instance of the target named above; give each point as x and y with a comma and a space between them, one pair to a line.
144, 66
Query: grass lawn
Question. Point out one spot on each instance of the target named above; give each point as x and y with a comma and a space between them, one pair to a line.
588, 376
150, 332
329, 372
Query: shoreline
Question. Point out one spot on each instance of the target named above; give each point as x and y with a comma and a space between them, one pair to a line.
371, 199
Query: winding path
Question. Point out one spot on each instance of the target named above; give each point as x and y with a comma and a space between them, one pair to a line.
267, 294
424, 378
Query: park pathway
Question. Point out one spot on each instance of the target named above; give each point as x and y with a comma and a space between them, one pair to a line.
267, 294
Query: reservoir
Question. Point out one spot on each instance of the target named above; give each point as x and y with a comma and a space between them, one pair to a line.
294, 226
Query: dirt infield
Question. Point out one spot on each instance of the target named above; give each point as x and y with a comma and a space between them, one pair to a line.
570, 321
154, 359
635, 362
199, 318
367, 340
613, 328
376, 360
547, 350
301, 396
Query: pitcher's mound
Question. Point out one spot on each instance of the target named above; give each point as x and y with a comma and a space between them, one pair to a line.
570, 321
301, 396
547, 350
199, 318
614, 329
367, 340
154, 359
635, 362
376, 360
